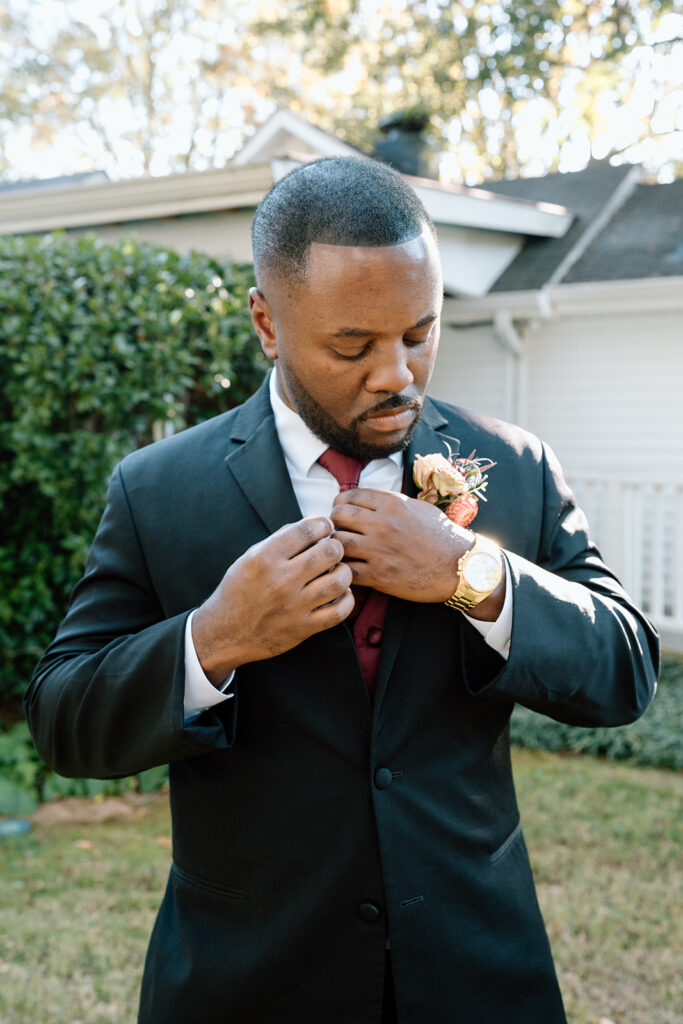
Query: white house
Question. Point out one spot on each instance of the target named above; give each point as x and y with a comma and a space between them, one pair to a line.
480, 233
563, 312
580, 339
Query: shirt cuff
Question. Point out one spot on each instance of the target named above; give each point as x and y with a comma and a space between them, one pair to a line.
497, 633
200, 694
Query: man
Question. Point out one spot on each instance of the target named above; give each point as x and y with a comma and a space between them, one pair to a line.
347, 846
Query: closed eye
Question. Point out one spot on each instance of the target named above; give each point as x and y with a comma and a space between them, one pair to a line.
351, 355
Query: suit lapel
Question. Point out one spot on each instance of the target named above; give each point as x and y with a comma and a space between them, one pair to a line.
258, 464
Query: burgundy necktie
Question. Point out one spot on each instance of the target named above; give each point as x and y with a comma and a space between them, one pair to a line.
367, 618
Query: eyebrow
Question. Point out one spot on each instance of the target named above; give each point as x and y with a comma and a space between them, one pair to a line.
361, 332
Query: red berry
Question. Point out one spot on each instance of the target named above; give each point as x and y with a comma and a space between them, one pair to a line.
463, 510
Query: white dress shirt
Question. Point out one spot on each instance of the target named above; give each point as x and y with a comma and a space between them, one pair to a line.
315, 489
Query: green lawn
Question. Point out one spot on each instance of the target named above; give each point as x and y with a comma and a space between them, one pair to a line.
78, 899
605, 843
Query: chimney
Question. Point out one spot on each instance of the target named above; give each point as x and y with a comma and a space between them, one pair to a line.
405, 146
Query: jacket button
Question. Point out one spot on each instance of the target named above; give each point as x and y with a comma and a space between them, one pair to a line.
369, 913
383, 778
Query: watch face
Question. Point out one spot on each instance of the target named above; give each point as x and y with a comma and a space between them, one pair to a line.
482, 571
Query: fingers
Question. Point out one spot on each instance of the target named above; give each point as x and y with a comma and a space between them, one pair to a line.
329, 587
362, 575
294, 538
317, 560
361, 510
362, 497
329, 615
356, 546
306, 547
355, 518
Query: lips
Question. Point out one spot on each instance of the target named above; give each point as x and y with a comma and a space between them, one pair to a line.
390, 420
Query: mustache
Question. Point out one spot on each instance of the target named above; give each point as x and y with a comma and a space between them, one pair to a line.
393, 402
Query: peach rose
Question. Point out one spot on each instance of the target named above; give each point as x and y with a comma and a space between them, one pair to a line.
437, 477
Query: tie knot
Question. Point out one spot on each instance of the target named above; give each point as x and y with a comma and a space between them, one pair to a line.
345, 469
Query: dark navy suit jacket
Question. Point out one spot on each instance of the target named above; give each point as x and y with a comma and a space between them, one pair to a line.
309, 824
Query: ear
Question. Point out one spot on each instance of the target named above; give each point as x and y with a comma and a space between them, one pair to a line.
264, 324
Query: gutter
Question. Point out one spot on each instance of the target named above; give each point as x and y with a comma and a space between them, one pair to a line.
507, 337
648, 294
136, 199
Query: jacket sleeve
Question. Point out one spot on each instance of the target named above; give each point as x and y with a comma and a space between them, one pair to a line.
106, 699
580, 650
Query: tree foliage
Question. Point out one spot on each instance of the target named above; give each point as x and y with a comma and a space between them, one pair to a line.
150, 86
130, 87
102, 347
507, 83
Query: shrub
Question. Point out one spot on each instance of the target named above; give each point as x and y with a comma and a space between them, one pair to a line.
102, 348
25, 780
654, 740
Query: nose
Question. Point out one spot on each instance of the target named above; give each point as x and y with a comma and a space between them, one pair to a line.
390, 371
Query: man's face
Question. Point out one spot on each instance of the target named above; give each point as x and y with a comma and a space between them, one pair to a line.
355, 343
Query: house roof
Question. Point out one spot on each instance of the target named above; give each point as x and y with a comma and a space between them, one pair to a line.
64, 181
643, 239
133, 199
282, 142
593, 195
285, 134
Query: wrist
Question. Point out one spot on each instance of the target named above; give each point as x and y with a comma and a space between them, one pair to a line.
218, 659
490, 608
480, 588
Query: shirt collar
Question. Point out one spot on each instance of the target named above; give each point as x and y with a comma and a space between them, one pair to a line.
300, 445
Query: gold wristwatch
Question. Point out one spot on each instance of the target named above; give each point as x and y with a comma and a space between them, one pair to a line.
480, 570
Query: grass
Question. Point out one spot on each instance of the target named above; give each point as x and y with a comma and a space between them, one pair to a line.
605, 844
79, 899
78, 902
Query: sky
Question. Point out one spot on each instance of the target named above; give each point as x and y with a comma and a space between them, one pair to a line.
541, 136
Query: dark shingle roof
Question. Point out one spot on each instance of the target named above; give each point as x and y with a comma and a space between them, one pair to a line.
643, 239
584, 193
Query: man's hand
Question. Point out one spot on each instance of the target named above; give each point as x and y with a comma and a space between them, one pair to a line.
279, 592
404, 547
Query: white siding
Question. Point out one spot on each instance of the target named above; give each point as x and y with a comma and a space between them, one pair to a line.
473, 370
607, 392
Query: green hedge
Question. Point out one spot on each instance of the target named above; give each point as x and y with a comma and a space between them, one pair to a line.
654, 740
25, 781
101, 348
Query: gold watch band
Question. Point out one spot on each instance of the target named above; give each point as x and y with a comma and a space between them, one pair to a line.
462, 603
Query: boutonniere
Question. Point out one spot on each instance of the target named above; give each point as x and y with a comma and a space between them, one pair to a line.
453, 484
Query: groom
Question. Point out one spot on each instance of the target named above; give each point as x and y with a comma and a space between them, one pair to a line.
328, 664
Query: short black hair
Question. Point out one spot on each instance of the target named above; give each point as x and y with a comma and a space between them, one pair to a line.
335, 201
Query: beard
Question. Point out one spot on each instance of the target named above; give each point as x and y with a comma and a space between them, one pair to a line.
347, 439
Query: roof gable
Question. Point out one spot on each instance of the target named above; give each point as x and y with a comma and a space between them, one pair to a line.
287, 135
593, 194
